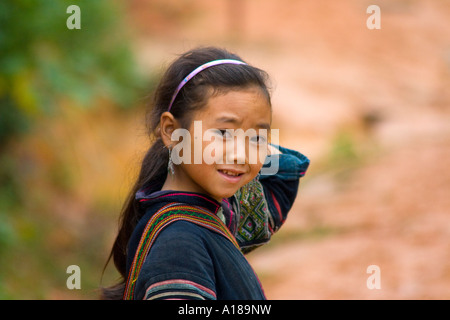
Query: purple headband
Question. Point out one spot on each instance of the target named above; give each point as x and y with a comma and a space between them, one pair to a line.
199, 69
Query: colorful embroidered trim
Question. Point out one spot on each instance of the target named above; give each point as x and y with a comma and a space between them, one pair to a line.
178, 289
165, 216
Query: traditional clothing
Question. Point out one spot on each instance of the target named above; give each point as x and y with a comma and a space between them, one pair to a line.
189, 246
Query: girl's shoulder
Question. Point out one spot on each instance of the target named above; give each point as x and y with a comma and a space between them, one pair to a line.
179, 221
182, 233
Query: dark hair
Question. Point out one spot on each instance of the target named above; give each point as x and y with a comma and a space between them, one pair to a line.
192, 97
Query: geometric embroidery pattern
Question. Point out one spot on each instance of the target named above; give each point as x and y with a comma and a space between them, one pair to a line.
253, 225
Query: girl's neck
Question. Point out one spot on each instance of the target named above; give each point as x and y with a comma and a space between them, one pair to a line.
176, 182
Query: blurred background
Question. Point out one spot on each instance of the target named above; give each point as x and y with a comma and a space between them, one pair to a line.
370, 108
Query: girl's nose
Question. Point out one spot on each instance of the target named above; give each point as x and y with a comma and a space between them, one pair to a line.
236, 151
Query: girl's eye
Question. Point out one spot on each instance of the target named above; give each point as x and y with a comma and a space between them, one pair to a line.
225, 133
258, 139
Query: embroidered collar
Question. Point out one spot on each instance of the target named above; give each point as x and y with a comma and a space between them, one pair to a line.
197, 199
154, 197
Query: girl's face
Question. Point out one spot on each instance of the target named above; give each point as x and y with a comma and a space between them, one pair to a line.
233, 146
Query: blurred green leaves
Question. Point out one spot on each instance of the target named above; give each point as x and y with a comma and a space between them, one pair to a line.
46, 69
42, 62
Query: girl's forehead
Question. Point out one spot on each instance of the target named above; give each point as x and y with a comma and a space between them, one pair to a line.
243, 105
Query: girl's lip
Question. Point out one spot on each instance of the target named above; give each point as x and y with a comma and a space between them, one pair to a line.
231, 179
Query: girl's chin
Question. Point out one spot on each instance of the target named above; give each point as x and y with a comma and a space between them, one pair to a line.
223, 194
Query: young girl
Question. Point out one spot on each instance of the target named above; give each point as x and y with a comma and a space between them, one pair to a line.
186, 224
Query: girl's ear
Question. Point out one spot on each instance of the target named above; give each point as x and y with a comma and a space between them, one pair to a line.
167, 125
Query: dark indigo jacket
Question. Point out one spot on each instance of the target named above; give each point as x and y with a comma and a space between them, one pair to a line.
188, 261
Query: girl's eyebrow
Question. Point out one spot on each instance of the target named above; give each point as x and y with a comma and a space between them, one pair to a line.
235, 121
228, 119
263, 126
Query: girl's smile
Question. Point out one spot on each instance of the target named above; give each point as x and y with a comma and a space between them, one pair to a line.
232, 175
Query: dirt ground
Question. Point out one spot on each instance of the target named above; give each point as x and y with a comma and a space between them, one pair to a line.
387, 90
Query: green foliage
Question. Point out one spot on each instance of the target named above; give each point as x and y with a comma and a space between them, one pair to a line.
9, 196
46, 68
43, 62
343, 152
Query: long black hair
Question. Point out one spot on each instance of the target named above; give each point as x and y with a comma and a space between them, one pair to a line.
192, 97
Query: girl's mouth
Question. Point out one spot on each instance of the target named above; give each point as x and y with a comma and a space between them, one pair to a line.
231, 176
